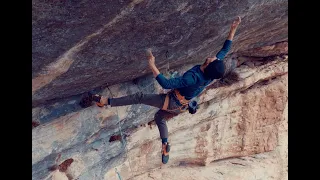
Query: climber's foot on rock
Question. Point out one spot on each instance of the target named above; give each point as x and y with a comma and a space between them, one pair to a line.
165, 152
100, 100
87, 98
236, 23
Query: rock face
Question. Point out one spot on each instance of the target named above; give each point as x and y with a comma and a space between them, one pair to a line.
239, 132
81, 45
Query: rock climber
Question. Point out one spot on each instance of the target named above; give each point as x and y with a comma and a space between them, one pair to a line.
183, 89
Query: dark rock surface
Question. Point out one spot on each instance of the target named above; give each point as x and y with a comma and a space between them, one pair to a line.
81, 45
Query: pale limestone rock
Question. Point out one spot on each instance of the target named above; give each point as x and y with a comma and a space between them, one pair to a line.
246, 119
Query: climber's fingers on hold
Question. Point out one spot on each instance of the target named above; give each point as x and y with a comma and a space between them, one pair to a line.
237, 21
149, 52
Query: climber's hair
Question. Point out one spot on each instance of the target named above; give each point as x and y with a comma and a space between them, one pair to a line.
214, 70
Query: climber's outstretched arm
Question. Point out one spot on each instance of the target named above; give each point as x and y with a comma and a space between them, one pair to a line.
152, 64
227, 44
233, 28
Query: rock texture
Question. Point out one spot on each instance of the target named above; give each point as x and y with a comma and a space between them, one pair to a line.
81, 45
239, 132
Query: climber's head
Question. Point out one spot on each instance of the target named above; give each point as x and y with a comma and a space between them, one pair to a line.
214, 70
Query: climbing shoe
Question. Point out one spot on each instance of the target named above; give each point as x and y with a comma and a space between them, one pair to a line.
97, 98
165, 152
87, 99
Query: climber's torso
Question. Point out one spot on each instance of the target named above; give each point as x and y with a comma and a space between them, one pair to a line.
200, 83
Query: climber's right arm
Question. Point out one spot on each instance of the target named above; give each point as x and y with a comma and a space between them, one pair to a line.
233, 28
226, 46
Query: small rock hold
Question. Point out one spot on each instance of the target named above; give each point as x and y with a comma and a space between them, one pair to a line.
35, 124
115, 138
65, 164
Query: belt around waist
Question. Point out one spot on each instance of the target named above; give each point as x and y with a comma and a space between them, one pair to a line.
174, 97
179, 98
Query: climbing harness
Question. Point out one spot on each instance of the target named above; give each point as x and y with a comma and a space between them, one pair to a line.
166, 102
191, 105
179, 97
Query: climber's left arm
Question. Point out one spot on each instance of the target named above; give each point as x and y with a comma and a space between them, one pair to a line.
227, 44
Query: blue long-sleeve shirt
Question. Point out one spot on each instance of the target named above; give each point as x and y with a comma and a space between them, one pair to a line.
193, 82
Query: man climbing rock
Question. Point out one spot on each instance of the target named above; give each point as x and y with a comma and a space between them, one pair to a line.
183, 89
